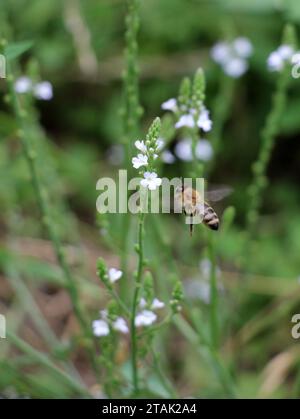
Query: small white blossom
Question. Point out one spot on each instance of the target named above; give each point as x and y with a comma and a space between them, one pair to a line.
278, 58
167, 157
114, 275
183, 150
157, 304
120, 325
185, 121
103, 314
23, 84
204, 150
140, 160
236, 67
296, 58
204, 122
275, 62
43, 90
140, 145
160, 142
220, 52
285, 51
243, 47
232, 56
100, 328
143, 302
151, 181
145, 318
170, 105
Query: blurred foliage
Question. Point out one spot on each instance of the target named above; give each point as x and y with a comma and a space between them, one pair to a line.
75, 131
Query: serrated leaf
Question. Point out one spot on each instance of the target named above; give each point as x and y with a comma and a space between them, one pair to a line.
15, 50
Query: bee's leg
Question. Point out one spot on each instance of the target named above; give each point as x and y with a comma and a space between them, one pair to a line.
191, 225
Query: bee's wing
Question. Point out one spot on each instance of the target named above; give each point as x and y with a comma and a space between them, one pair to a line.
218, 194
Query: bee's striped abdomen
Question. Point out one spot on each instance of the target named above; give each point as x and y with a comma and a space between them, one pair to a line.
210, 217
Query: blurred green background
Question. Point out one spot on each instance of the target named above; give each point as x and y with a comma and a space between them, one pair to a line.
82, 123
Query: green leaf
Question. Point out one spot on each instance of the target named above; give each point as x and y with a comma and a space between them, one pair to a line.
15, 50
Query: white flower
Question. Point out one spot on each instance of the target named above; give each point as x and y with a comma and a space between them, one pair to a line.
167, 157
100, 328
151, 181
160, 142
23, 84
120, 325
198, 290
143, 302
157, 304
275, 61
140, 160
43, 90
204, 150
185, 121
140, 145
204, 122
220, 52
232, 56
114, 275
145, 318
243, 47
285, 51
183, 149
170, 105
236, 67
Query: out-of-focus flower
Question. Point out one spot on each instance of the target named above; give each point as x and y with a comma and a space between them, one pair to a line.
43, 90
236, 67
167, 157
140, 160
114, 275
281, 56
243, 47
151, 181
145, 318
183, 149
120, 325
100, 328
233, 56
140, 145
185, 121
170, 105
204, 122
157, 304
204, 150
160, 142
23, 84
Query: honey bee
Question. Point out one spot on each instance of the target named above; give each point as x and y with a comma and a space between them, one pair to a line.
191, 201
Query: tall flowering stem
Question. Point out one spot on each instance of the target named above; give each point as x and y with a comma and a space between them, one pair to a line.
41, 195
131, 110
138, 281
150, 181
268, 136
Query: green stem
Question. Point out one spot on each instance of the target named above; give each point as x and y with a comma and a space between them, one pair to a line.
131, 115
40, 192
213, 307
268, 136
138, 282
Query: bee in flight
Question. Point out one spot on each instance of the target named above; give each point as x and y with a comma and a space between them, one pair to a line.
191, 202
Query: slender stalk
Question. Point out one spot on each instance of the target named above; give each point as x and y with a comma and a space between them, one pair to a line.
41, 195
213, 307
138, 282
131, 115
268, 136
